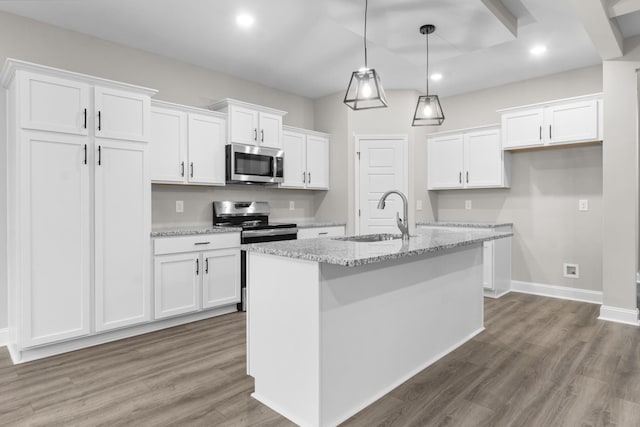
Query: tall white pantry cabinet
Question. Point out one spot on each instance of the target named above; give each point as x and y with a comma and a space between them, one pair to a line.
79, 200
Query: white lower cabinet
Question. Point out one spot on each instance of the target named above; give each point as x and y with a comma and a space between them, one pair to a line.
313, 232
193, 273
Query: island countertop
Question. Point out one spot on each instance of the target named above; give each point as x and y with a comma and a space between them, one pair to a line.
352, 254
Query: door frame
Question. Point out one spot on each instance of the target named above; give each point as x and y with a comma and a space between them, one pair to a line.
404, 140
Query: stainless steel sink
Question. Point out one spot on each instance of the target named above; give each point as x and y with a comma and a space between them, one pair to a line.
368, 238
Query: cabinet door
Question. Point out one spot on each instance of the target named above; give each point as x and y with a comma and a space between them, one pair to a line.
55, 245
122, 227
295, 174
488, 281
121, 115
176, 284
572, 122
483, 159
317, 162
221, 279
522, 129
53, 104
270, 130
445, 162
243, 125
206, 150
168, 145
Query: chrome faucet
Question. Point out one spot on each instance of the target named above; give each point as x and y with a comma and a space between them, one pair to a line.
403, 224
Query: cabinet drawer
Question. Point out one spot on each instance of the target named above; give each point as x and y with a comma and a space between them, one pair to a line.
310, 233
201, 242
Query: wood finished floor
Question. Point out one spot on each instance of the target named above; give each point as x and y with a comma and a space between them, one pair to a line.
540, 362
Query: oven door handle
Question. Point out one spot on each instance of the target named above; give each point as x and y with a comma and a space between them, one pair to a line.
269, 232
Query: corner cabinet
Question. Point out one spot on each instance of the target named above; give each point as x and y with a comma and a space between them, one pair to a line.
187, 145
470, 158
566, 121
306, 161
195, 273
79, 205
251, 124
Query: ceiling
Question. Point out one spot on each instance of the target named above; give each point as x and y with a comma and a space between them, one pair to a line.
310, 47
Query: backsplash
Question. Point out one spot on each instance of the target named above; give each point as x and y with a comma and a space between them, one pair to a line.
198, 209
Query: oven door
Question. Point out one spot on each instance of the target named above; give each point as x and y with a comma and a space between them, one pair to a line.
251, 164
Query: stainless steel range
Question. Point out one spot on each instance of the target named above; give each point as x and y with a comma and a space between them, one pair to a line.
253, 218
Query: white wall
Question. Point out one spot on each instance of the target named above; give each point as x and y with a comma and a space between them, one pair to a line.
3, 212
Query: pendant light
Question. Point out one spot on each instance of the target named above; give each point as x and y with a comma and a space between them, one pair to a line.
428, 109
365, 90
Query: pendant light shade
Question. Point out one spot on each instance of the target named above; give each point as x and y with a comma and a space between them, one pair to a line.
365, 89
428, 109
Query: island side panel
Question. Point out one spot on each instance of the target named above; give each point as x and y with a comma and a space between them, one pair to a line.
383, 323
283, 340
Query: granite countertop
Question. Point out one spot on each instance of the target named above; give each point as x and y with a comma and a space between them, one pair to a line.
192, 230
318, 224
466, 224
353, 254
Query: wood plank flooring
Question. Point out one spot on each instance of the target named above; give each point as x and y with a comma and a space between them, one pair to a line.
540, 362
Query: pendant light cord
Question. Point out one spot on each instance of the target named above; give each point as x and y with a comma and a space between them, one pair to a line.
366, 7
427, 76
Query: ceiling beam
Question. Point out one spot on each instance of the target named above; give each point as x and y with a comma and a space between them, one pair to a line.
504, 16
602, 30
622, 7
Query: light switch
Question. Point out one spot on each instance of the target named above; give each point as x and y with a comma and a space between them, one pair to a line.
292, 205
179, 206
467, 204
418, 205
583, 205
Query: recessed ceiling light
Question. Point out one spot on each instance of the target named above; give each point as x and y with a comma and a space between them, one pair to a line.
244, 20
436, 76
538, 49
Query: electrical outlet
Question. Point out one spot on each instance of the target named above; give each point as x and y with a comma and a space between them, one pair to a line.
418, 205
292, 205
571, 270
583, 205
467, 204
179, 206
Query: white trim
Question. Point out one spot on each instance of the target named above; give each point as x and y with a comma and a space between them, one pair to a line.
404, 139
4, 337
553, 291
619, 315
472, 129
554, 101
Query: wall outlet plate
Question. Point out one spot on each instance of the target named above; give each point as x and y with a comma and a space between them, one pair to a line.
571, 271
583, 205
179, 206
467, 204
292, 205
418, 205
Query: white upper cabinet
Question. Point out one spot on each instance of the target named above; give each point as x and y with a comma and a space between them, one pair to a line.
121, 114
471, 158
187, 145
566, 121
251, 124
54, 104
306, 159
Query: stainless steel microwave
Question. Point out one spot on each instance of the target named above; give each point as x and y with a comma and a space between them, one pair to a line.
250, 164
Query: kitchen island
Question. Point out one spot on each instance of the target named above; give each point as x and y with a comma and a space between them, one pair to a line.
334, 324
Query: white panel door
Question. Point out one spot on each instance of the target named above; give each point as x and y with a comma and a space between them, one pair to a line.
121, 115
55, 206
483, 159
122, 227
522, 128
445, 162
295, 173
168, 145
221, 278
317, 162
243, 125
270, 130
381, 168
573, 122
53, 104
176, 284
206, 150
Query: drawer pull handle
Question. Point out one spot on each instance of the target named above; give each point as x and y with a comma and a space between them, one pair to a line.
322, 233
206, 266
202, 243
197, 266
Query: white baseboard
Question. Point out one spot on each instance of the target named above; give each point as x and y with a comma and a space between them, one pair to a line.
553, 291
619, 315
4, 337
